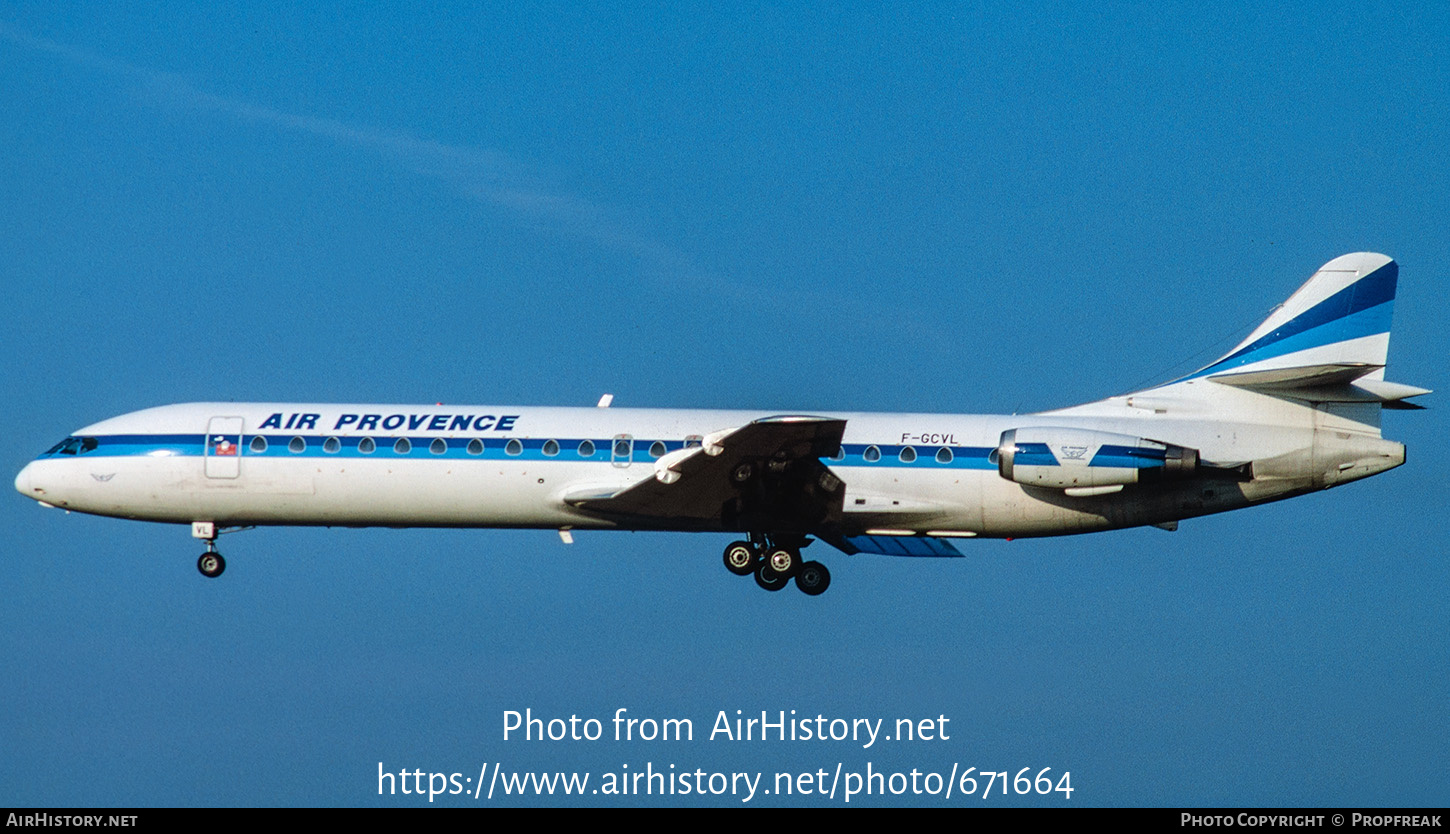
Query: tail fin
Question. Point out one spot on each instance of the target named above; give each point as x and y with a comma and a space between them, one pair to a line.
1328, 342
1341, 316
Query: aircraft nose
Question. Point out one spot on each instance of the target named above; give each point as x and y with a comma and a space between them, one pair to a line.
25, 482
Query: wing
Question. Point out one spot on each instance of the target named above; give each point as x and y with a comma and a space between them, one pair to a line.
764, 476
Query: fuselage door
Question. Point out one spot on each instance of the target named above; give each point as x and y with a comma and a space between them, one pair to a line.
224, 447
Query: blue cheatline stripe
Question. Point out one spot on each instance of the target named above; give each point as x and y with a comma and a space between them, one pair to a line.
963, 457
125, 445
496, 448
532, 449
1361, 309
903, 545
456, 448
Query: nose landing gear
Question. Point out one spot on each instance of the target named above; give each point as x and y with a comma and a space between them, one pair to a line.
211, 564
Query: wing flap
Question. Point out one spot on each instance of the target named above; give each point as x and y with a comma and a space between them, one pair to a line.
919, 546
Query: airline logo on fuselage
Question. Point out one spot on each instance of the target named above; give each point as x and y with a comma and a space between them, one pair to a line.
298, 421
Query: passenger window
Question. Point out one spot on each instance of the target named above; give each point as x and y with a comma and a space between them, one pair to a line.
622, 448
944, 455
908, 455
872, 454
514, 448
551, 448
840, 454
297, 446
657, 449
403, 446
586, 449
438, 446
259, 445
366, 446
694, 440
332, 445
475, 446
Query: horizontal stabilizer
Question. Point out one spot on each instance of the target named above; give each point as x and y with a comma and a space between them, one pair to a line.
1387, 392
1331, 383
900, 546
1303, 376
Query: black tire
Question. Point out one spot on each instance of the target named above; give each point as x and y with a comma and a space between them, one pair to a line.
211, 564
813, 579
769, 579
784, 561
740, 558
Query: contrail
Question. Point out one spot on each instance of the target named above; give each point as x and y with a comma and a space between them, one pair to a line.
517, 190
481, 174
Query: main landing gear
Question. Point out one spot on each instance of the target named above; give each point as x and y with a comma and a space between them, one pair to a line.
775, 561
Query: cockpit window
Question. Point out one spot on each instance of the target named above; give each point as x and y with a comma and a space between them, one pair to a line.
73, 446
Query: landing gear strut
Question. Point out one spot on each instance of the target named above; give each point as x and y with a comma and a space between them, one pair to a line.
211, 564
774, 561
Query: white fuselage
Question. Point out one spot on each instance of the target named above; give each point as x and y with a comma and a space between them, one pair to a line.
491, 466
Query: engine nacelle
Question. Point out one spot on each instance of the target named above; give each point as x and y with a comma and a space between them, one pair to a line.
1062, 458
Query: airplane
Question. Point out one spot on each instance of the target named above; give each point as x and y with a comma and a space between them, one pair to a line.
1294, 408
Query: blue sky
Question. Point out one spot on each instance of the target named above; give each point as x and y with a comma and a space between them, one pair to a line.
949, 208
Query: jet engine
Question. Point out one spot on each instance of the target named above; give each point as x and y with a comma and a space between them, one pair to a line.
1083, 459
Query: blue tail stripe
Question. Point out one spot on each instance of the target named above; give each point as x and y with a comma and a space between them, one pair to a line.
1374, 290
1354, 326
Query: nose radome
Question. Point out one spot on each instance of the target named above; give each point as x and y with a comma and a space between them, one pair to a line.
28, 483
22, 482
